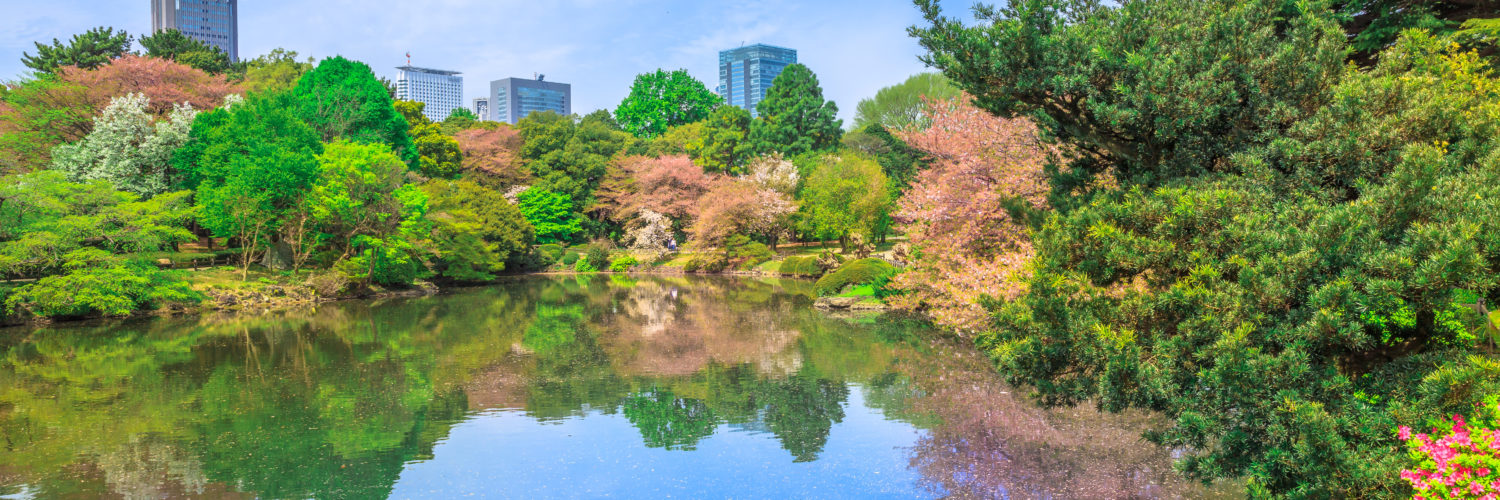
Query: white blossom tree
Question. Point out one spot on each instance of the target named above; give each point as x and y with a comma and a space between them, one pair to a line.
126, 148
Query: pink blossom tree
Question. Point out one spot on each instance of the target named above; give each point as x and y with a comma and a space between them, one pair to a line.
968, 244
494, 155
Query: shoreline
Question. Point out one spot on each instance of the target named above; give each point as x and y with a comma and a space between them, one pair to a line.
278, 297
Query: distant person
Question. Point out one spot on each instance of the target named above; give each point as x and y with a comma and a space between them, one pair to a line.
672, 244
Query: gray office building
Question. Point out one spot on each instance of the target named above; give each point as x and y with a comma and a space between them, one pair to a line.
746, 73
214, 22
512, 99
482, 108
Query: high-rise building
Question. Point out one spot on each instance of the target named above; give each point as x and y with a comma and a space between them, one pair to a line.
214, 22
442, 91
512, 99
746, 73
482, 107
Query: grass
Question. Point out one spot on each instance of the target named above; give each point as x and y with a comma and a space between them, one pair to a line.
865, 290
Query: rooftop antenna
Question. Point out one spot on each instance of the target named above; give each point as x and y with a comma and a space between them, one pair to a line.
408, 58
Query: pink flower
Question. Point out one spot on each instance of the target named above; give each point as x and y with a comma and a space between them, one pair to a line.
1404, 432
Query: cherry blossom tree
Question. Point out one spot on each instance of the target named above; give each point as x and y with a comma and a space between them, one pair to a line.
166, 83
969, 245
734, 206
495, 155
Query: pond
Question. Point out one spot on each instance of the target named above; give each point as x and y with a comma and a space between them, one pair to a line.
547, 386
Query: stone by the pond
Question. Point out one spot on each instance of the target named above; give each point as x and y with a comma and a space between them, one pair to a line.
850, 303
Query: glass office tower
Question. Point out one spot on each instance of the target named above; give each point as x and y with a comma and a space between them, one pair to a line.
512, 99
746, 73
214, 22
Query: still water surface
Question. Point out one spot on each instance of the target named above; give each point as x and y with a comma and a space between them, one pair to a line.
546, 386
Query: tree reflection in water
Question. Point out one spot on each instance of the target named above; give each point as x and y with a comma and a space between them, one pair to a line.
337, 400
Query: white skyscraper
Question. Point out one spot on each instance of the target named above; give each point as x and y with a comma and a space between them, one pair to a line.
442, 91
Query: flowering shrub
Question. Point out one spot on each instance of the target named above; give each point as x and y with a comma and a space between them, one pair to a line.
1461, 464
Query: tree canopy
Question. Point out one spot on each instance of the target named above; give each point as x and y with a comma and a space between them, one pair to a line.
793, 118
343, 99
661, 100
901, 106
173, 45
87, 50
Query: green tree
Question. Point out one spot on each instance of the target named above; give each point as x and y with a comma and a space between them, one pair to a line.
172, 44
661, 100
438, 153
845, 194
88, 50
793, 118
95, 282
1111, 81
343, 99
277, 71
475, 230
719, 147
897, 159
459, 119
544, 132
550, 214
249, 163
569, 158
1281, 258
371, 217
126, 149
900, 106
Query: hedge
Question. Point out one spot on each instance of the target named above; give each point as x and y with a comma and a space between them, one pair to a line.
856, 272
800, 266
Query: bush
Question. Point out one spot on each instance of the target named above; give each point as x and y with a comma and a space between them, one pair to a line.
598, 256
583, 266
800, 266
99, 283
623, 263
328, 284
750, 254
570, 258
858, 272
549, 254
708, 263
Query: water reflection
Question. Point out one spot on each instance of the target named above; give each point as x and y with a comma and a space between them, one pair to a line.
712, 383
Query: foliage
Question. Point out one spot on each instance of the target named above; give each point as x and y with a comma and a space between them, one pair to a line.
550, 252
597, 255
773, 172
584, 266
570, 258
1128, 85
661, 100
439, 155
623, 263
742, 253
460, 119
87, 50
492, 157
793, 118
38, 115
550, 214
901, 107
843, 195
250, 165
1277, 212
720, 146
735, 206
274, 72
43, 218
1463, 463
568, 157
343, 99
649, 231
95, 282
669, 185
475, 231
854, 272
802, 266
370, 217
899, 160
958, 214
173, 45
125, 149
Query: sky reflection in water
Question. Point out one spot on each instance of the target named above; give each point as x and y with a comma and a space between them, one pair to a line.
546, 387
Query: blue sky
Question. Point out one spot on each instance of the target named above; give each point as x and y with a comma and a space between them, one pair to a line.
856, 47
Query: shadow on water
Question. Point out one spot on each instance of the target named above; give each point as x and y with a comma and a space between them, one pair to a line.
484, 390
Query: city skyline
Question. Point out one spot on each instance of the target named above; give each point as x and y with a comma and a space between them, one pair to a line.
605, 46
214, 22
